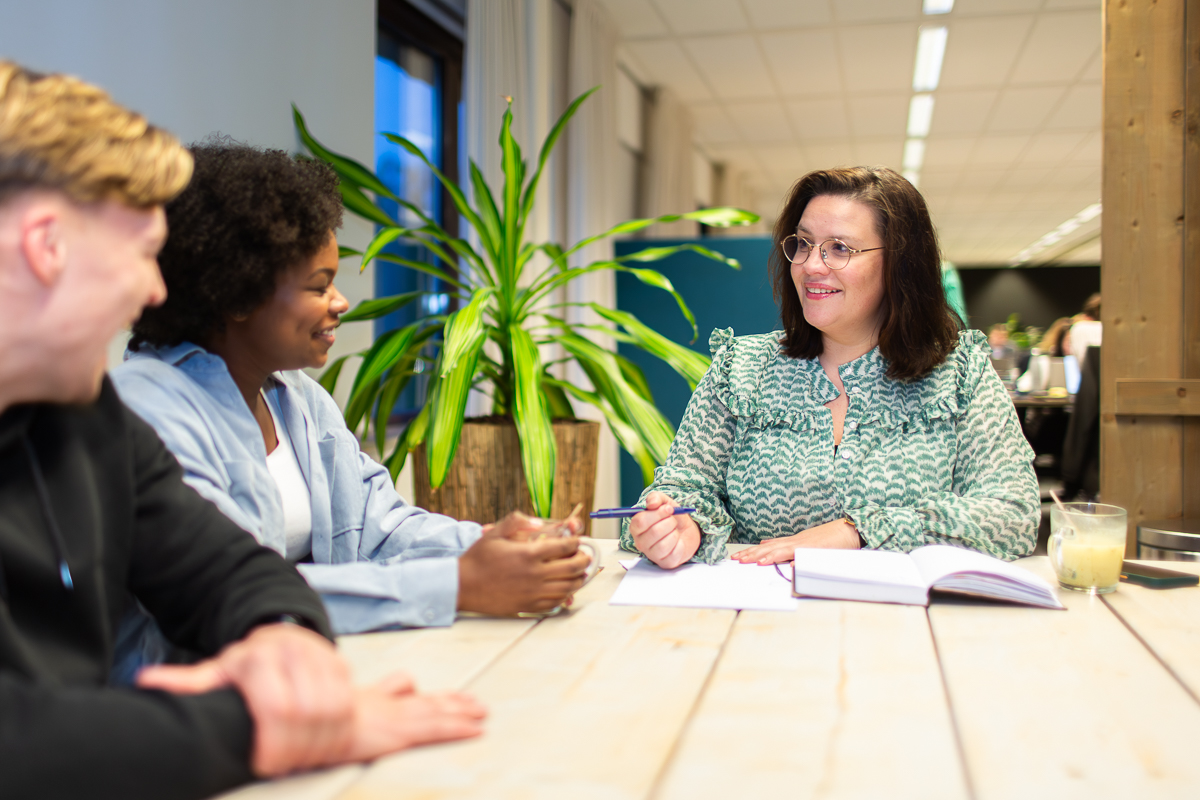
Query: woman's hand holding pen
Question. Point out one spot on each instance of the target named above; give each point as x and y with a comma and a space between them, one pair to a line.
666, 538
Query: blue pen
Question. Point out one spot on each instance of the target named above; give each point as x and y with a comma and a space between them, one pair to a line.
622, 513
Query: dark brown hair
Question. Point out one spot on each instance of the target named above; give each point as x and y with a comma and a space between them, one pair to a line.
919, 327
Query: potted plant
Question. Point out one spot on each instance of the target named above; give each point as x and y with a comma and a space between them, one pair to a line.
499, 304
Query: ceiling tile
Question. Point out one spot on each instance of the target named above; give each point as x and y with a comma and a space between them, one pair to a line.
1059, 46
1051, 148
803, 62
1091, 151
713, 125
1055, 5
880, 152
773, 14
667, 65
878, 57
761, 122
818, 119
1094, 71
962, 112
981, 52
688, 17
787, 161
1024, 109
933, 181
880, 115
855, 11
830, 154
1023, 179
999, 150
946, 153
1081, 107
985, 7
732, 66
635, 19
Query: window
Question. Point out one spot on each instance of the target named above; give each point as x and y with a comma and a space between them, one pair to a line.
418, 78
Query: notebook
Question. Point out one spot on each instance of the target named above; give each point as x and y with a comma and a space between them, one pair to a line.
884, 577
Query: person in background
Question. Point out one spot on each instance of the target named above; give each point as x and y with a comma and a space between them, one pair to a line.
94, 514
1036, 377
249, 267
998, 340
1086, 330
872, 421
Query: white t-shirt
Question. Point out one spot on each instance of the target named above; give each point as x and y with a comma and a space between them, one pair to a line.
293, 490
1084, 334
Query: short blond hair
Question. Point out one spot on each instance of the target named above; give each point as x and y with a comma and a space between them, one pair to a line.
57, 132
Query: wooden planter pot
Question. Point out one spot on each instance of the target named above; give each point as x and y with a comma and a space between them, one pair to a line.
487, 479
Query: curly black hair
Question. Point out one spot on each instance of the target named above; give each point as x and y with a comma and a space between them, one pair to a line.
248, 214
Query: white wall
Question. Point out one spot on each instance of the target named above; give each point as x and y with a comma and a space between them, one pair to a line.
228, 66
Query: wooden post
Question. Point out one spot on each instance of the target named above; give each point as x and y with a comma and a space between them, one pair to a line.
1151, 238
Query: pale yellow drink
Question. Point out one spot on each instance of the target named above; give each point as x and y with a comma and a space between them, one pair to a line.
1087, 546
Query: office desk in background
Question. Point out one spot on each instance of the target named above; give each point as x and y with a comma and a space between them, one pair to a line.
837, 699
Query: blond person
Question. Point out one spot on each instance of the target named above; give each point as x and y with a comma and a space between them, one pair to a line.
94, 512
870, 421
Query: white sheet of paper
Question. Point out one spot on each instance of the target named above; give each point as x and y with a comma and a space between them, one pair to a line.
729, 584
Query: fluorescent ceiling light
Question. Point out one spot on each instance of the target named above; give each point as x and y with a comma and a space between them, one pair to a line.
931, 48
913, 177
938, 6
1057, 235
920, 114
914, 154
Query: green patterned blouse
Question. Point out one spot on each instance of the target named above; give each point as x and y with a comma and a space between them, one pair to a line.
936, 461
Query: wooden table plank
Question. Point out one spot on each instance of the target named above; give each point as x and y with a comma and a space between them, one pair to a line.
833, 700
1063, 704
587, 705
1167, 621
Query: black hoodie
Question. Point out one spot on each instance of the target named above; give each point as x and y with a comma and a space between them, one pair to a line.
93, 511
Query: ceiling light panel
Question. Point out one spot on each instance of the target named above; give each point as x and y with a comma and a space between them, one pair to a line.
914, 154
931, 50
938, 6
920, 113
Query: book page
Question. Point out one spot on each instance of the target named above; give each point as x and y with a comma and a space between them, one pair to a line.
859, 566
728, 584
937, 561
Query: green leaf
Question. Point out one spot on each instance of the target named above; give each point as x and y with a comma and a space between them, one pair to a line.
383, 355
380, 306
389, 393
356, 201
413, 435
547, 147
487, 210
360, 404
450, 408
659, 281
688, 363
634, 376
510, 162
421, 266
624, 432
723, 217
329, 377
536, 434
556, 400
346, 252
456, 194
463, 328
346, 167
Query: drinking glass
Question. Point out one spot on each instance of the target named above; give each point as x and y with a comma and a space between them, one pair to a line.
1087, 546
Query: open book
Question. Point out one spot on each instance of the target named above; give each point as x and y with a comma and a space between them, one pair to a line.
884, 577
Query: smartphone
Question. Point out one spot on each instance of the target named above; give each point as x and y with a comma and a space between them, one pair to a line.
1156, 577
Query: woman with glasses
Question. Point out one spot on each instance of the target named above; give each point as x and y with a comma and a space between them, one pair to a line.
870, 421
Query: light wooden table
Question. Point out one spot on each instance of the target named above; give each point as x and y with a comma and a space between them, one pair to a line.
835, 700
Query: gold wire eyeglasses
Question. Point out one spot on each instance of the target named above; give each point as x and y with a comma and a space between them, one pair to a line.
834, 252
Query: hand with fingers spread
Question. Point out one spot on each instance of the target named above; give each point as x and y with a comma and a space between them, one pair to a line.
665, 538
837, 534
506, 573
296, 687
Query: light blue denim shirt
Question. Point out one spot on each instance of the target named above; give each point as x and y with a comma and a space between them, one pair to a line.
378, 561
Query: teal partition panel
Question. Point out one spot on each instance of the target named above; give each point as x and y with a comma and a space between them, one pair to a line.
719, 297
